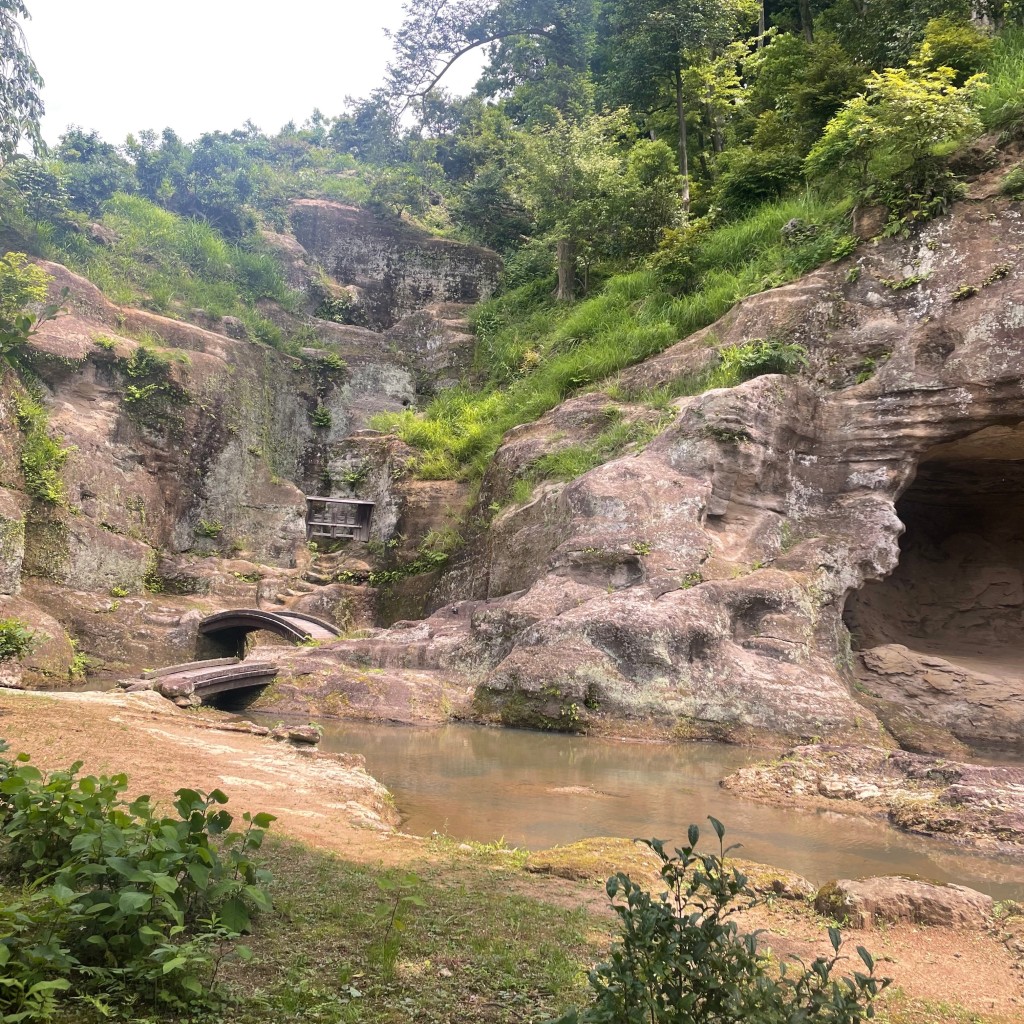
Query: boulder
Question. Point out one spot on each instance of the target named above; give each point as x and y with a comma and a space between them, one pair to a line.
892, 899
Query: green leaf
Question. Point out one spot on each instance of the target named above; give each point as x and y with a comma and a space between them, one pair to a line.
131, 902
173, 964
234, 915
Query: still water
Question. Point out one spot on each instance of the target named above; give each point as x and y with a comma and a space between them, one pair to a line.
541, 789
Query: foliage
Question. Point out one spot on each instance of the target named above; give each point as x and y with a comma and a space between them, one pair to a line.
117, 900
755, 358
20, 104
42, 455
588, 190
1001, 105
535, 352
22, 285
950, 42
903, 116
16, 639
885, 35
1013, 183
209, 528
680, 960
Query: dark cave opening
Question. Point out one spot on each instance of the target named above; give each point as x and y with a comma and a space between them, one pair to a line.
958, 590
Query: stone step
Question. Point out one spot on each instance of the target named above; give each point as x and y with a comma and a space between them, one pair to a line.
318, 579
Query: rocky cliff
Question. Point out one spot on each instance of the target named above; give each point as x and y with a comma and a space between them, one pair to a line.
823, 554
192, 447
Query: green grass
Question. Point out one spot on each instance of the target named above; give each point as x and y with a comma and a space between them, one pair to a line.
172, 265
535, 352
1001, 105
474, 952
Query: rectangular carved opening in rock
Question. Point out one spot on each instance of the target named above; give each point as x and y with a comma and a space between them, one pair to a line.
338, 519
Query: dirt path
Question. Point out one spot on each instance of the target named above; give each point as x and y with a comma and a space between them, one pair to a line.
333, 804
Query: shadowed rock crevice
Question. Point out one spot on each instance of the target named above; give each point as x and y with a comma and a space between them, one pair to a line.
946, 628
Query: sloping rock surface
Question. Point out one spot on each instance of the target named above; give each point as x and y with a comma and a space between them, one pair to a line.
700, 585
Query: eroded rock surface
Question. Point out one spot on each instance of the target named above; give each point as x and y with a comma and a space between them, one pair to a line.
966, 803
892, 900
700, 585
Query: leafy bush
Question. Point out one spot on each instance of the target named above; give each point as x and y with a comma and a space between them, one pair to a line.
117, 900
956, 43
904, 115
22, 284
680, 960
16, 639
42, 455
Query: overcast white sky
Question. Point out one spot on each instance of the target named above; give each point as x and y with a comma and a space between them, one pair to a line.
118, 66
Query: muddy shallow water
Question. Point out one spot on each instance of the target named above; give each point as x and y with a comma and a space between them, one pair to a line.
541, 789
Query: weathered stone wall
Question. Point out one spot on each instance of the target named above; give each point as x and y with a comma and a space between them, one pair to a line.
700, 585
395, 268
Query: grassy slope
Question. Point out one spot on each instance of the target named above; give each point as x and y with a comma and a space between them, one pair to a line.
173, 264
535, 352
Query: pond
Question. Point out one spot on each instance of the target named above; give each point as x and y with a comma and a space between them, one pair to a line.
537, 790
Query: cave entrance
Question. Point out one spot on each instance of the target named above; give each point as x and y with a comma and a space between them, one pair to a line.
958, 590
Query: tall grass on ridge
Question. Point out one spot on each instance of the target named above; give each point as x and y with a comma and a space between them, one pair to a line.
536, 352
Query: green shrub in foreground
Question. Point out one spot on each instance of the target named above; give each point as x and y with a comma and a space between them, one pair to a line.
116, 902
681, 961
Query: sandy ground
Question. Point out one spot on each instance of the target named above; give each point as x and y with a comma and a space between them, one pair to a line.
335, 805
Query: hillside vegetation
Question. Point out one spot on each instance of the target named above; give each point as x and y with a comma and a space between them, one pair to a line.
634, 163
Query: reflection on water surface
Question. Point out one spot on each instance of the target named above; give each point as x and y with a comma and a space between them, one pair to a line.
541, 789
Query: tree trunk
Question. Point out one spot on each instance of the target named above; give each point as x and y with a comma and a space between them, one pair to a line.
701, 158
684, 155
566, 255
807, 20
760, 25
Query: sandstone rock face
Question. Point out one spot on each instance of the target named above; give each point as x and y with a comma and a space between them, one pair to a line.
704, 584
969, 804
893, 900
396, 268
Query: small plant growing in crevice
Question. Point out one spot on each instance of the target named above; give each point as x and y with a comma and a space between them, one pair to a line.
321, 417
902, 284
16, 639
726, 435
209, 528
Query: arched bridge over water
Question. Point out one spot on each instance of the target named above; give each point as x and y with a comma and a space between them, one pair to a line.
227, 630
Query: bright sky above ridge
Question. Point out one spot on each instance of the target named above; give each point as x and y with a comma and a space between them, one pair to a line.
118, 66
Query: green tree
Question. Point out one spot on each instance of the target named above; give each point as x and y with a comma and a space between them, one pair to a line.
672, 43
530, 40
93, 169
20, 104
903, 116
595, 191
